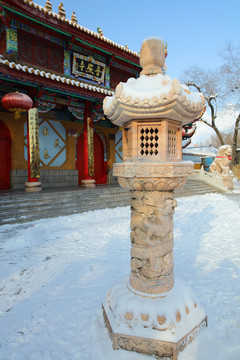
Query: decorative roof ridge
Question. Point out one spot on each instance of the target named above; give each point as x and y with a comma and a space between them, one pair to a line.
48, 75
80, 27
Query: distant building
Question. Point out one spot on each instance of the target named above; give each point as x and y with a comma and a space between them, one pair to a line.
67, 70
197, 154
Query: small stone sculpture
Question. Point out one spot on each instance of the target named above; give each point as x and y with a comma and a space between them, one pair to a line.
100, 32
220, 166
222, 161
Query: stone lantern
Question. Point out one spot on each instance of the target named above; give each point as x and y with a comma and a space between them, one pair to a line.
152, 311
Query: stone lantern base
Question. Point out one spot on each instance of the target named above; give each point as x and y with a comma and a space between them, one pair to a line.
155, 325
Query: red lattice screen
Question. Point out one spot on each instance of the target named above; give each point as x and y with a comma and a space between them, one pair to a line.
2, 42
118, 76
40, 52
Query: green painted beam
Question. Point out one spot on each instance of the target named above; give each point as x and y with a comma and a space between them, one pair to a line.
48, 89
68, 94
17, 81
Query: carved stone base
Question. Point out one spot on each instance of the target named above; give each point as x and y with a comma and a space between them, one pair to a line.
154, 325
33, 186
88, 183
152, 176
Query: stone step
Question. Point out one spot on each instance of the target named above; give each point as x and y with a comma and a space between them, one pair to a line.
58, 199
48, 213
25, 207
59, 206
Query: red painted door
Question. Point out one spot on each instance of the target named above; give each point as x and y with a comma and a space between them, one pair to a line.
100, 165
5, 156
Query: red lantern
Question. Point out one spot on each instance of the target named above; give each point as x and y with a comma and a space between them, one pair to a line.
17, 102
183, 132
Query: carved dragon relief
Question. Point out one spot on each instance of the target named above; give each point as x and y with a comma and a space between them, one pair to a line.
152, 241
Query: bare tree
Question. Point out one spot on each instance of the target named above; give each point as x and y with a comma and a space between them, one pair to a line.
227, 138
230, 71
219, 88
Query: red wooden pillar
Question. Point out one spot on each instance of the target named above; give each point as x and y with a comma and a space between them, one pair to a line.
88, 178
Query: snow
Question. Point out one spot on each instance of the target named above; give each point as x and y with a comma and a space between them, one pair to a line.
200, 150
122, 299
55, 274
150, 87
158, 96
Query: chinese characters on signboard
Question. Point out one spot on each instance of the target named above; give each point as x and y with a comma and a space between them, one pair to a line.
33, 142
86, 66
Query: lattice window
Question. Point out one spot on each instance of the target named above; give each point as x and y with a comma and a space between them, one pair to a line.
148, 140
114, 78
2, 42
55, 58
40, 52
25, 47
117, 76
172, 142
124, 76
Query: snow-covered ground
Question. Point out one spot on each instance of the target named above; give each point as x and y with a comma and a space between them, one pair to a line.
55, 273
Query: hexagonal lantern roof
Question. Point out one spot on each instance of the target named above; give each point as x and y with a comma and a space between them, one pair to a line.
153, 95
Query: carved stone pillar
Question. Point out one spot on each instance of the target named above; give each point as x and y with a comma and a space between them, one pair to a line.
152, 208
152, 311
152, 241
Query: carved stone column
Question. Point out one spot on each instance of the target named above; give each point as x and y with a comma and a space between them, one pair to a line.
151, 311
152, 241
152, 208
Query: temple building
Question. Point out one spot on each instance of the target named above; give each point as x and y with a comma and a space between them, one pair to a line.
66, 70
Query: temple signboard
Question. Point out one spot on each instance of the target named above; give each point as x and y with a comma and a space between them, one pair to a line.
88, 67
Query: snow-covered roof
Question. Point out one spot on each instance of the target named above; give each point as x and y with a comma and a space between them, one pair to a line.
51, 76
159, 96
200, 151
76, 25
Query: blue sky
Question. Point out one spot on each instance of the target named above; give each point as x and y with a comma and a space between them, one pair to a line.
196, 31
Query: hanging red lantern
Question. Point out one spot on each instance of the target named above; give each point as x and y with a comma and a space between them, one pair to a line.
17, 102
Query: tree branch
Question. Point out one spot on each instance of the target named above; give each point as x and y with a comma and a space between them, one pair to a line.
235, 139
194, 85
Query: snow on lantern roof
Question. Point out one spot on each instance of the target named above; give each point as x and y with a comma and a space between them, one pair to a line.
73, 22
153, 97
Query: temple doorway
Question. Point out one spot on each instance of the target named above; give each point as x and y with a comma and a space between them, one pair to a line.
100, 165
5, 156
